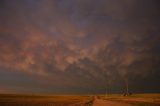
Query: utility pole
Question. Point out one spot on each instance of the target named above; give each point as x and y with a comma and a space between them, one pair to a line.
126, 87
107, 86
107, 93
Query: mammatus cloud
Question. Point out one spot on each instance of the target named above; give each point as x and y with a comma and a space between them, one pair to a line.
78, 46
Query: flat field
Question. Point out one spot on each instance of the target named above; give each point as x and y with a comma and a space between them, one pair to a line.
135, 99
80, 100
35, 100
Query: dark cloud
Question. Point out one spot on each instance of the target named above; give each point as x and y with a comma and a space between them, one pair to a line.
79, 46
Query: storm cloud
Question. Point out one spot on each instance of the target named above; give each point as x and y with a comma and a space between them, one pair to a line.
79, 46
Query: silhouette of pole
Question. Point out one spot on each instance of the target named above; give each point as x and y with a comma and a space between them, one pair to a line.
107, 85
126, 87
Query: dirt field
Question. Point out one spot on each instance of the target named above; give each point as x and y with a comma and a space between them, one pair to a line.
84, 100
28, 100
135, 99
101, 102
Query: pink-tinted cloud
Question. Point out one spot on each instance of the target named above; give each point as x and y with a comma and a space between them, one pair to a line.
78, 43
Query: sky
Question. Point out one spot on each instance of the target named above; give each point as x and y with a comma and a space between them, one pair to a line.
79, 46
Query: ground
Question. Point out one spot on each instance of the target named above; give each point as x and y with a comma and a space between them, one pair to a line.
80, 100
102, 102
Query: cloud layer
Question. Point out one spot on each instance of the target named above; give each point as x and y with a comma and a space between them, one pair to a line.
79, 46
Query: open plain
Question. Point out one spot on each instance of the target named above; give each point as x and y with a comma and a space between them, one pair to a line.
80, 100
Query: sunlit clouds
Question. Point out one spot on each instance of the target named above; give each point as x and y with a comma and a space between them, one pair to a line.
76, 46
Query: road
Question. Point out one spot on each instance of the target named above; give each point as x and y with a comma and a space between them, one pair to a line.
101, 102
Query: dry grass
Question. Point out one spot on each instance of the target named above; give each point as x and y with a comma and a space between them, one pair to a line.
136, 99
77, 100
30, 100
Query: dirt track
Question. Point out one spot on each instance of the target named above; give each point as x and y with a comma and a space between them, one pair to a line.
100, 102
